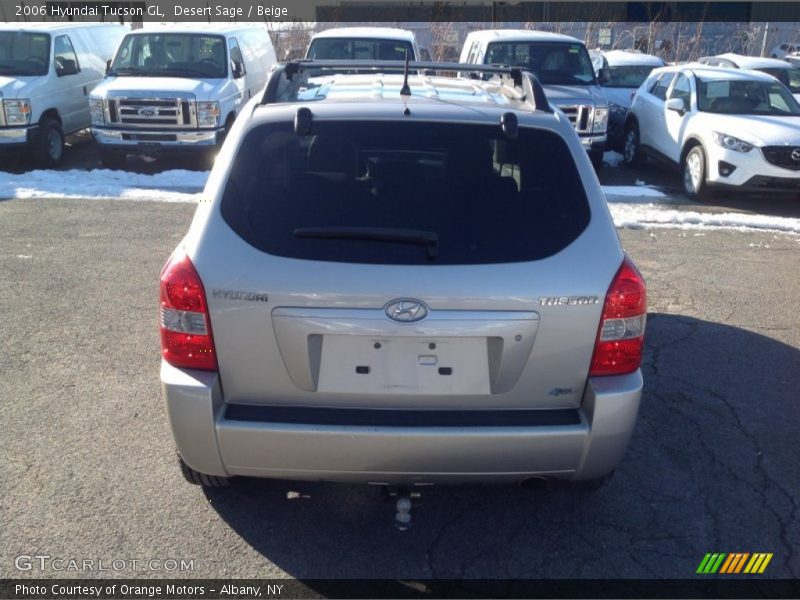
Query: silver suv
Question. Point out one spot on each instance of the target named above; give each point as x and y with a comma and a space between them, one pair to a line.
401, 281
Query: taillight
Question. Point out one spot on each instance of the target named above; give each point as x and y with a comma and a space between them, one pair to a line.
620, 341
185, 326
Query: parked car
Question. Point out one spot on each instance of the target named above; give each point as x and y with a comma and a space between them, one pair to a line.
346, 308
564, 67
178, 89
626, 71
783, 49
793, 59
46, 72
786, 73
729, 128
363, 43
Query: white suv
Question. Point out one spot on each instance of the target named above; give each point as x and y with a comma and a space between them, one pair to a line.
723, 127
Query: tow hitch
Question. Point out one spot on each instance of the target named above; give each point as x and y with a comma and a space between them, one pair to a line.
404, 500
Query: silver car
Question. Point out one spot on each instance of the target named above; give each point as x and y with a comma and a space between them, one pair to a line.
401, 281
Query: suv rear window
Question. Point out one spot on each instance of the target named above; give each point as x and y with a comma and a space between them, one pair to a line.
405, 193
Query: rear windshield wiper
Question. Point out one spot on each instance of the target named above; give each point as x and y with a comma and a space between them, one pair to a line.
419, 237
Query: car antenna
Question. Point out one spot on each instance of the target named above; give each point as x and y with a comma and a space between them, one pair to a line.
405, 90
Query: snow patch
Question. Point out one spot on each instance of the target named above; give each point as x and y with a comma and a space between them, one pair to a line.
646, 216
612, 159
178, 185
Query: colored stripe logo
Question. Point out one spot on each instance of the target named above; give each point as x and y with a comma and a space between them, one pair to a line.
734, 563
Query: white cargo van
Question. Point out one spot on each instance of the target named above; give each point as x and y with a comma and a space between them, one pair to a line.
563, 66
363, 43
178, 89
47, 71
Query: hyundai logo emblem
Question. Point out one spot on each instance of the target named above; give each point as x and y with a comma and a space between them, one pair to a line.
406, 311
147, 111
796, 154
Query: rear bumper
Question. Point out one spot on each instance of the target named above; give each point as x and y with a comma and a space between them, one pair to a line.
216, 439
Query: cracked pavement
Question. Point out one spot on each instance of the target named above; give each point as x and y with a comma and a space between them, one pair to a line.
89, 470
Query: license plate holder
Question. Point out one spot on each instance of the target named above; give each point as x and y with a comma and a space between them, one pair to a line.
398, 365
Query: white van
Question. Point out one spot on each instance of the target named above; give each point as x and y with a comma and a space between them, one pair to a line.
178, 89
564, 68
47, 71
363, 43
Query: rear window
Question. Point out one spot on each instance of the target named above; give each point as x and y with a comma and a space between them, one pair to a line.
359, 49
405, 193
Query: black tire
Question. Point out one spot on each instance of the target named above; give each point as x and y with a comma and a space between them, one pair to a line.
197, 478
693, 174
631, 148
596, 156
47, 149
116, 161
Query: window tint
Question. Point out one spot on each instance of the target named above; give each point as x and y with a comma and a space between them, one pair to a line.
24, 53
171, 55
660, 90
360, 49
627, 76
554, 63
475, 196
236, 55
64, 54
473, 53
681, 89
743, 97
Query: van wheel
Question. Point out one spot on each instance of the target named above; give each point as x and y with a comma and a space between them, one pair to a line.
597, 159
631, 149
113, 160
48, 146
694, 174
197, 478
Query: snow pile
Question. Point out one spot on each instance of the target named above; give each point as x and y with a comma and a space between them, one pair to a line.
612, 159
178, 185
645, 216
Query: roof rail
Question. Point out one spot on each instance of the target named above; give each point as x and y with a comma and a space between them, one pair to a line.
288, 73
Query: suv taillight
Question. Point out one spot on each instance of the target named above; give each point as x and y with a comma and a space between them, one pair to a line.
185, 325
620, 341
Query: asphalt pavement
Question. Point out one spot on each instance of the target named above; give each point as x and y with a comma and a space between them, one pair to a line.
89, 471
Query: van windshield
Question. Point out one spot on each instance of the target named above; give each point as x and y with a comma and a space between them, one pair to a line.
359, 49
554, 63
405, 193
171, 55
24, 54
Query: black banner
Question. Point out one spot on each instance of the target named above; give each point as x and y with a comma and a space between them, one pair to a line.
482, 11
163, 589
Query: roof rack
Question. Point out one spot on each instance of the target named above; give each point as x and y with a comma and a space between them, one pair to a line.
292, 72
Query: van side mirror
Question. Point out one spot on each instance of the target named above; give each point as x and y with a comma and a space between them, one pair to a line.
108, 66
676, 104
237, 70
66, 66
603, 76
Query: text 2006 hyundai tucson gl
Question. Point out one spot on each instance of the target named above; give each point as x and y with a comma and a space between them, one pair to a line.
401, 289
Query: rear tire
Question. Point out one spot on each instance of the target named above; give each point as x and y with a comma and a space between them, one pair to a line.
48, 145
197, 478
631, 147
113, 160
694, 174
